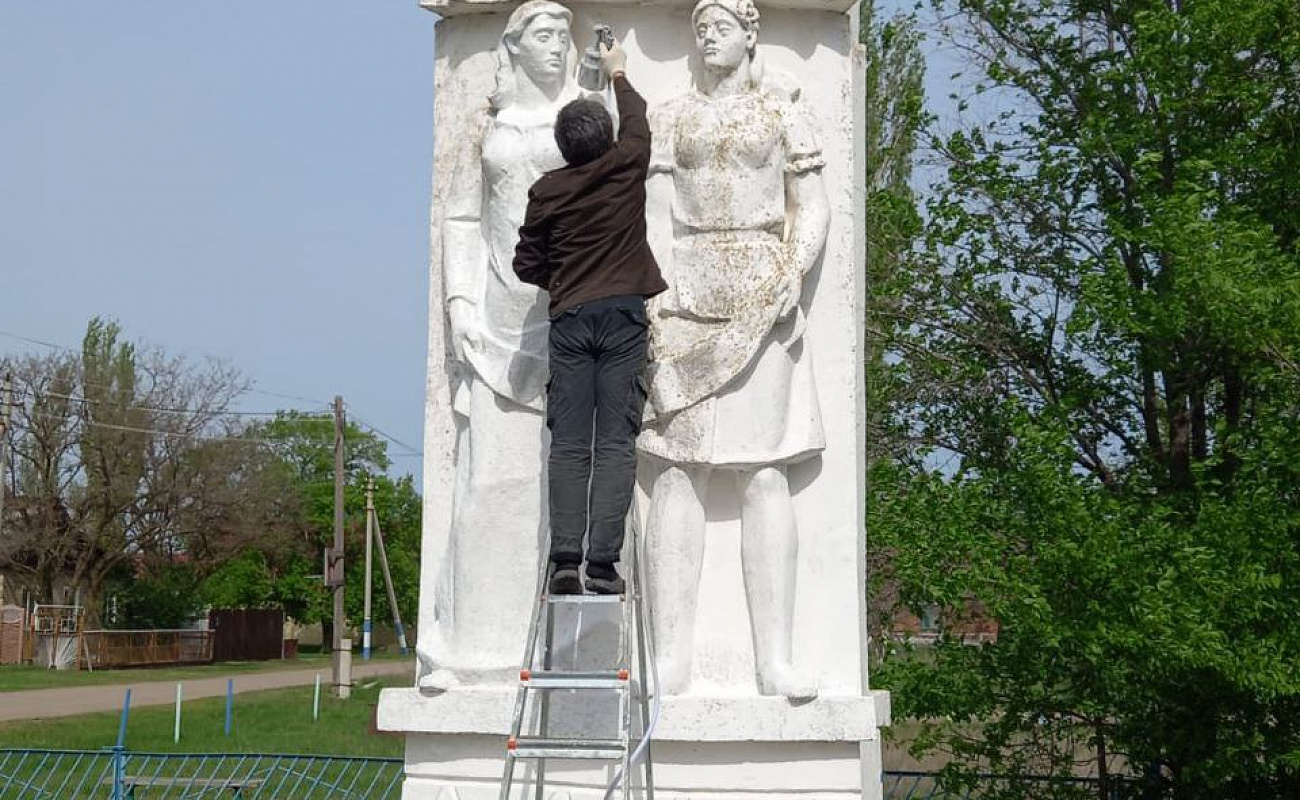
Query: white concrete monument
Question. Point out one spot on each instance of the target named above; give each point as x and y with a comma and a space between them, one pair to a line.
752, 474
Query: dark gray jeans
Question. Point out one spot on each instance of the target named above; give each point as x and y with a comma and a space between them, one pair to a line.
593, 408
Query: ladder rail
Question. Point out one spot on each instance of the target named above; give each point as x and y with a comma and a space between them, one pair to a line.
544, 707
626, 635
644, 644
631, 652
540, 608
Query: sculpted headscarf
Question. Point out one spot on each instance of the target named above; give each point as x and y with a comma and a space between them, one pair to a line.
746, 14
515, 25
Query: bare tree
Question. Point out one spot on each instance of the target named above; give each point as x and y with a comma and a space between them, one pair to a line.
128, 459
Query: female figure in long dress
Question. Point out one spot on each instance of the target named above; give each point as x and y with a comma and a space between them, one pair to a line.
731, 382
497, 335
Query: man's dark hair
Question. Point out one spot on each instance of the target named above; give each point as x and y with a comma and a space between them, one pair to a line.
584, 131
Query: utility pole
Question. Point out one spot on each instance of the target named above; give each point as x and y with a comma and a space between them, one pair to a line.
392, 593
370, 538
342, 681
6, 411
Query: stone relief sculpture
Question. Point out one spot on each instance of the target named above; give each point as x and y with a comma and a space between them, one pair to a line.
739, 161
497, 330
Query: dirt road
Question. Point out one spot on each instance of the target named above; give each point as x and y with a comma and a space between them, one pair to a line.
46, 703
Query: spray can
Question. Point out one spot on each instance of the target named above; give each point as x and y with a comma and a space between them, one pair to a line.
590, 76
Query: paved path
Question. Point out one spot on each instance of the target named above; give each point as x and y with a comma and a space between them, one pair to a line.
65, 702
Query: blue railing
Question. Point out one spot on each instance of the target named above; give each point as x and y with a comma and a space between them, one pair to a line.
118, 774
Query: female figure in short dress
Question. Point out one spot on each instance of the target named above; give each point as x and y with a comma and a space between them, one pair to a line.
731, 384
497, 330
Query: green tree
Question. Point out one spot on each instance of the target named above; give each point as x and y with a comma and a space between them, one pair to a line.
166, 599
126, 461
304, 443
398, 509
1099, 352
112, 449
242, 582
895, 113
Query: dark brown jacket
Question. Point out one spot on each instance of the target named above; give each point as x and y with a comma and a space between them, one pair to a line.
583, 237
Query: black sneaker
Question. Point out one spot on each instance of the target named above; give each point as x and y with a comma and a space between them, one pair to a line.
604, 579
565, 579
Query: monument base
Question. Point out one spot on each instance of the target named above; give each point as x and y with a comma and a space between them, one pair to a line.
704, 748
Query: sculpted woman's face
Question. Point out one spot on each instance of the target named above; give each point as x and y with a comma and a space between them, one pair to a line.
720, 40
542, 49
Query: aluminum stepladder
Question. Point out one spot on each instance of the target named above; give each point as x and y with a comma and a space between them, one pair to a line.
536, 683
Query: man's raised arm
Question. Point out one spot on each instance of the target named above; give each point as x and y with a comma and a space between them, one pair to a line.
633, 128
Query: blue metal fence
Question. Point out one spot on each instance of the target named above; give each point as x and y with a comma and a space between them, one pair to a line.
118, 774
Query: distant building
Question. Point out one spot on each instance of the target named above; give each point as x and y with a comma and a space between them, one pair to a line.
972, 625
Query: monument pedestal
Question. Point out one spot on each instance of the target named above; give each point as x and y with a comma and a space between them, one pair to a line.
704, 748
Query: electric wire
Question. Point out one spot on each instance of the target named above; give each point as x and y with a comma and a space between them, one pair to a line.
41, 342
357, 418
325, 407
157, 431
413, 453
34, 394
254, 390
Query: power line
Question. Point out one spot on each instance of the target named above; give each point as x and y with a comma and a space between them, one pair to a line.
413, 453
315, 401
34, 394
182, 410
131, 429
41, 342
321, 403
390, 438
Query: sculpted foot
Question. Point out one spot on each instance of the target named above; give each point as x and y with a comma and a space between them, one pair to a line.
440, 680
785, 681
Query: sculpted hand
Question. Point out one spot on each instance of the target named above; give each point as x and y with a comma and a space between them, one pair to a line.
463, 320
613, 59
788, 299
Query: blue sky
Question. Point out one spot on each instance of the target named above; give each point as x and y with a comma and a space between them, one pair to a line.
246, 180
241, 180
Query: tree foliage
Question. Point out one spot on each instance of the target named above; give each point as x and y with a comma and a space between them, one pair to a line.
895, 115
124, 460
165, 598
131, 480
303, 444
1098, 357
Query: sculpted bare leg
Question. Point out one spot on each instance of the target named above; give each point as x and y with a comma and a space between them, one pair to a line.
675, 556
769, 552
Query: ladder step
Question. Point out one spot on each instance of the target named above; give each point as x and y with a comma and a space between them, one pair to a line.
561, 679
538, 747
583, 599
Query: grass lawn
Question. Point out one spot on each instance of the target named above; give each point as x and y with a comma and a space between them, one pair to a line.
277, 721
18, 678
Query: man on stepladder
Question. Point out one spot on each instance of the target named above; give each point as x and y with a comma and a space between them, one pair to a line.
584, 241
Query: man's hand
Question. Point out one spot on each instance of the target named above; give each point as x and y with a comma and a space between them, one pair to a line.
463, 319
613, 59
